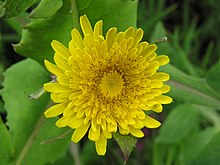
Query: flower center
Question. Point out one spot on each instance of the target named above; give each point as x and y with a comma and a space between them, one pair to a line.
111, 85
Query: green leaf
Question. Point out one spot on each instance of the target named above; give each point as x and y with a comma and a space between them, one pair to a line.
67, 158
2, 109
159, 33
126, 143
213, 77
37, 35
208, 55
48, 152
121, 14
197, 143
11, 8
46, 9
178, 125
6, 149
1, 68
26, 122
210, 154
177, 55
88, 154
191, 89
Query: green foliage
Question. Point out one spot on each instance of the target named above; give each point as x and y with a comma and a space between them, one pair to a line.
11, 8
37, 36
189, 134
121, 14
51, 6
181, 121
6, 149
210, 154
126, 143
26, 136
184, 86
198, 144
213, 77
67, 158
189, 88
89, 156
59, 21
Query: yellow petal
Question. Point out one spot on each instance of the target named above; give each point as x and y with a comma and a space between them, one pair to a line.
123, 131
75, 94
55, 97
152, 57
129, 32
136, 132
110, 37
63, 122
77, 39
163, 99
155, 84
129, 120
94, 124
149, 122
80, 132
87, 119
53, 68
148, 50
140, 114
111, 127
88, 58
103, 124
61, 49
138, 123
154, 92
130, 42
98, 29
101, 145
119, 37
75, 123
138, 36
165, 88
55, 87
152, 68
63, 80
55, 110
71, 47
61, 63
94, 135
85, 25
81, 113
157, 108
88, 41
69, 111
142, 47
161, 76
65, 95
123, 124
163, 59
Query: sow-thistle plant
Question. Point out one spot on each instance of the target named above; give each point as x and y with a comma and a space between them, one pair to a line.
106, 84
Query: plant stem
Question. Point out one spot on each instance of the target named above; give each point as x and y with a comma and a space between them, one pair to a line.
155, 154
75, 152
30, 140
214, 101
169, 156
57, 138
75, 15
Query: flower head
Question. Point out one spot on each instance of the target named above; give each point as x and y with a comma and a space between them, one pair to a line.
106, 83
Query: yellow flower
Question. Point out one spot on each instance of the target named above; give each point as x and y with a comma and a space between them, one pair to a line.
106, 83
